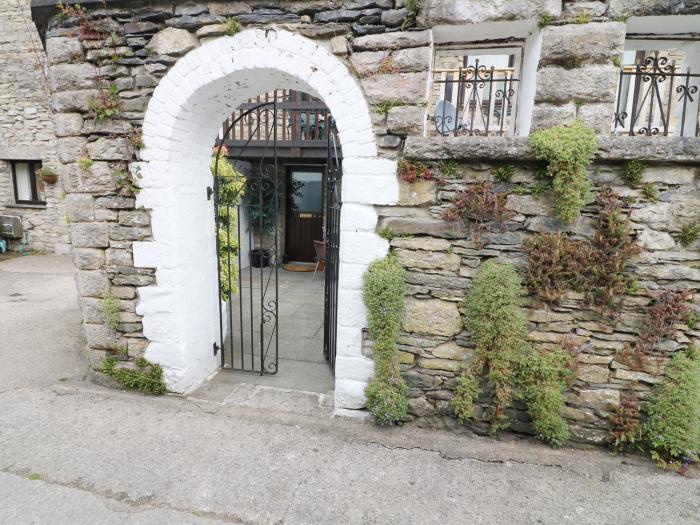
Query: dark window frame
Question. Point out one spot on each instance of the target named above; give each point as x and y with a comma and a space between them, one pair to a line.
34, 167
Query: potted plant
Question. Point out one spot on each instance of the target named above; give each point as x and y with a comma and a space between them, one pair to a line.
259, 258
47, 175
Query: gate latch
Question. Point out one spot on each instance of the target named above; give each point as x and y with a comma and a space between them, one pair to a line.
210, 192
216, 348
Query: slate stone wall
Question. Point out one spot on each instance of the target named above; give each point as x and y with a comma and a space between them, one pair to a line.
26, 132
576, 79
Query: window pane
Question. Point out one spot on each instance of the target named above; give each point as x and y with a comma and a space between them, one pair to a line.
23, 181
307, 191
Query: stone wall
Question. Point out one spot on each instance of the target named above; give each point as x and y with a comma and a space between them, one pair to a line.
441, 262
576, 77
26, 132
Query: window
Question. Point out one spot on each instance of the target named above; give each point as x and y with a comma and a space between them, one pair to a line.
657, 93
29, 189
475, 91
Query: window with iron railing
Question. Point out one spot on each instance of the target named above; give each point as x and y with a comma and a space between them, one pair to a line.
474, 92
657, 95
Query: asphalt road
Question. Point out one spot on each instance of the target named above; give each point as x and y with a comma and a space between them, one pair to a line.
73, 452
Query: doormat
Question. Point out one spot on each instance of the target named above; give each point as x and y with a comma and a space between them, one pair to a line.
298, 268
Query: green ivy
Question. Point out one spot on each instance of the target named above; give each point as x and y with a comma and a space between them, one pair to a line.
568, 150
672, 429
384, 288
145, 377
513, 369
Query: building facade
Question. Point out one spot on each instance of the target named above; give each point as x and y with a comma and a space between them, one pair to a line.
449, 91
27, 141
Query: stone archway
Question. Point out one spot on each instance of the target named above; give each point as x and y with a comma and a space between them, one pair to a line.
182, 119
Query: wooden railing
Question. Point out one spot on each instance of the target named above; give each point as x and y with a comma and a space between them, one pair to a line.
301, 120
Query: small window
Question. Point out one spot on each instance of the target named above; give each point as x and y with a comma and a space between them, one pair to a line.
475, 91
29, 189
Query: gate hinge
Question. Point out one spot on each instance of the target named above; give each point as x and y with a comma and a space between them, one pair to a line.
210, 192
216, 348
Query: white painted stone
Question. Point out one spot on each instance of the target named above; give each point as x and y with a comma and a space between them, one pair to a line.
349, 394
182, 116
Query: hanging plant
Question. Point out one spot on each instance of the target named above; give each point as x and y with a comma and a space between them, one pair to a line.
48, 175
384, 288
568, 150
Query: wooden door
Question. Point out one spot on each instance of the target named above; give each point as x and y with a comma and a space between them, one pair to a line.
304, 212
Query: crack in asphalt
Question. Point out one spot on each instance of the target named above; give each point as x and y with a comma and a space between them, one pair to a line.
446, 457
147, 502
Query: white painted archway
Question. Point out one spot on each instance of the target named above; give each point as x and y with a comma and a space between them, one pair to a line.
180, 313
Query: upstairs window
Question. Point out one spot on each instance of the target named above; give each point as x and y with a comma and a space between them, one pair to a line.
27, 184
657, 91
475, 91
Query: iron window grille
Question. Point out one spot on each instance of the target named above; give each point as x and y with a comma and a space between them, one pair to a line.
478, 98
656, 98
26, 183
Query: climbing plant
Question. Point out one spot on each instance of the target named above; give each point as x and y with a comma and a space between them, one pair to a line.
231, 184
672, 428
568, 150
384, 287
509, 365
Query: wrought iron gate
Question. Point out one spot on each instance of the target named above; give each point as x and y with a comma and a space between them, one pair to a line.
333, 178
248, 299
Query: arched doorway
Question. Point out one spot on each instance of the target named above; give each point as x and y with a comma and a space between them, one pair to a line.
276, 190
180, 312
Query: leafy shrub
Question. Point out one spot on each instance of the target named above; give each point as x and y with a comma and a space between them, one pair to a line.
232, 26
632, 173
384, 287
672, 429
544, 376
513, 369
667, 309
625, 426
557, 263
448, 168
649, 192
84, 163
568, 151
110, 311
498, 330
688, 234
383, 107
107, 104
230, 189
412, 171
146, 377
125, 181
503, 173
480, 205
